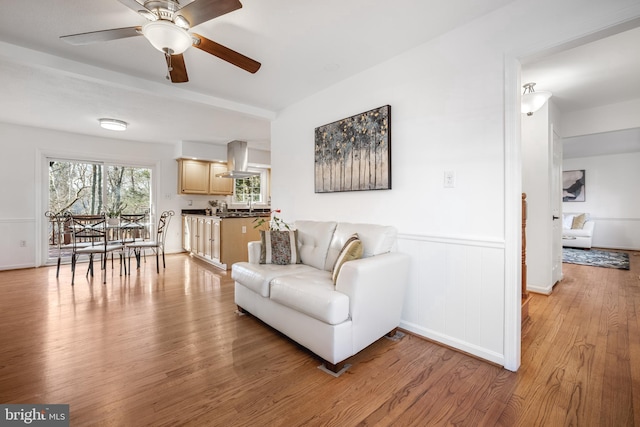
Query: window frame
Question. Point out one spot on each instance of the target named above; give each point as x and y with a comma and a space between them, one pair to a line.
264, 190
44, 156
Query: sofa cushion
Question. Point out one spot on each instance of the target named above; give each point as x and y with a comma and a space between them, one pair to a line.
351, 250
376, 240
314, 238
279, 247
578, 222
577, 233
257, 276
313, 294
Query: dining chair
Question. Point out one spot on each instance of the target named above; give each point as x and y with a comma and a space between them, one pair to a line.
156, 245
56, 235
132, 228
90, 237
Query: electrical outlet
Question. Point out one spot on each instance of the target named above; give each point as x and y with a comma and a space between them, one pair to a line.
449, 179
23, 243
190, 202
244, 229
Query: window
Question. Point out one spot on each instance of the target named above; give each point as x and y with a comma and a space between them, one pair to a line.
248, 189
252, 189
86, 188
128, 189
75, 187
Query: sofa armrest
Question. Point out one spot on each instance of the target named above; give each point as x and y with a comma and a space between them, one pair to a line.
254, 249
376, 287
588, 227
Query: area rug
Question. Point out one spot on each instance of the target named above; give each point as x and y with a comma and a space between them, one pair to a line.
596, 258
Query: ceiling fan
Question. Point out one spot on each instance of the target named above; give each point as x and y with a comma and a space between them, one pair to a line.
167, 31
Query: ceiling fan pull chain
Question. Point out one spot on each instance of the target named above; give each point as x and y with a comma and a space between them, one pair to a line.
169, 67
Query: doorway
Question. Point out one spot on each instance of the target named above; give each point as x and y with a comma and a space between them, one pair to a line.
515, 163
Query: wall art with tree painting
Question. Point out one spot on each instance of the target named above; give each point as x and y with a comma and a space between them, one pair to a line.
354, 154
573, 186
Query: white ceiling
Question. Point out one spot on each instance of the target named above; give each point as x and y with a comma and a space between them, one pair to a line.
603, 72
303, 45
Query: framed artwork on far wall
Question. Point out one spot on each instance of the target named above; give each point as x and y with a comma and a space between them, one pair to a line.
573, 186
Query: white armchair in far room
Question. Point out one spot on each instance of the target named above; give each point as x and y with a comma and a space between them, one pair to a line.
577, 230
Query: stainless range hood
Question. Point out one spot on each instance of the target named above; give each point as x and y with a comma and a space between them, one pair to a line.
237, 161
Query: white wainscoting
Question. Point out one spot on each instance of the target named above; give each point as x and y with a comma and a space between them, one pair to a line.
456, 293
616, 233
13, 232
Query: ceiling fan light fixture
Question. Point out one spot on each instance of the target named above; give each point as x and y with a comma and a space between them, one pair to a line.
181, 22
167, 37
532, 101
113, 124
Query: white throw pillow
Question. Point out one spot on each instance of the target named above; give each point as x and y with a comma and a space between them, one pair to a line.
567, 221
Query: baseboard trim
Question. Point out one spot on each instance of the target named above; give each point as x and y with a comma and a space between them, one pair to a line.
544, 290
454, 343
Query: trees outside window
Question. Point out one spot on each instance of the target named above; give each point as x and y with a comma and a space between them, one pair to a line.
86, 188
128, 189
248, 189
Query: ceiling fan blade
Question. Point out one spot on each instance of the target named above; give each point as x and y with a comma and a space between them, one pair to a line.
225, 53
200, 11
177, 69
101, 36
134, 5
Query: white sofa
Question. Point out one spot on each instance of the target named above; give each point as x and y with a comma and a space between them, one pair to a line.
301, 300
576, 237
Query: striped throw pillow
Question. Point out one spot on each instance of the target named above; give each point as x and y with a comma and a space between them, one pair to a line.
279, 247
352, 249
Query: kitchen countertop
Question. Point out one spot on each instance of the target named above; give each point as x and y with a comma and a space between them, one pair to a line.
227, 215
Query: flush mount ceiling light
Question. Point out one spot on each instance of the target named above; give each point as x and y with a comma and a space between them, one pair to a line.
113, 124
532, 101
167, 37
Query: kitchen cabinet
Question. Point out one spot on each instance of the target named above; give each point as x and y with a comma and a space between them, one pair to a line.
186, 233
201, 241
193, 177
194, 236
211, 239
215, 245
221, 242
199, 177
218, 185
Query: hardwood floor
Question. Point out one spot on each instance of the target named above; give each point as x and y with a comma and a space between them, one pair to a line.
169, 349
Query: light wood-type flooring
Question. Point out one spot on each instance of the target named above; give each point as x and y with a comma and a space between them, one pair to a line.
169, 349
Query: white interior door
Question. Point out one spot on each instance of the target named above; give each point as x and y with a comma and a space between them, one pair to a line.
556, 205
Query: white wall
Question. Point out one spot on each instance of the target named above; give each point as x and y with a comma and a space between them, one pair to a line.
536, 183
448, 114
611, 198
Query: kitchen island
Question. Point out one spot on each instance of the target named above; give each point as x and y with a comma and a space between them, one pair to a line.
221, 241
